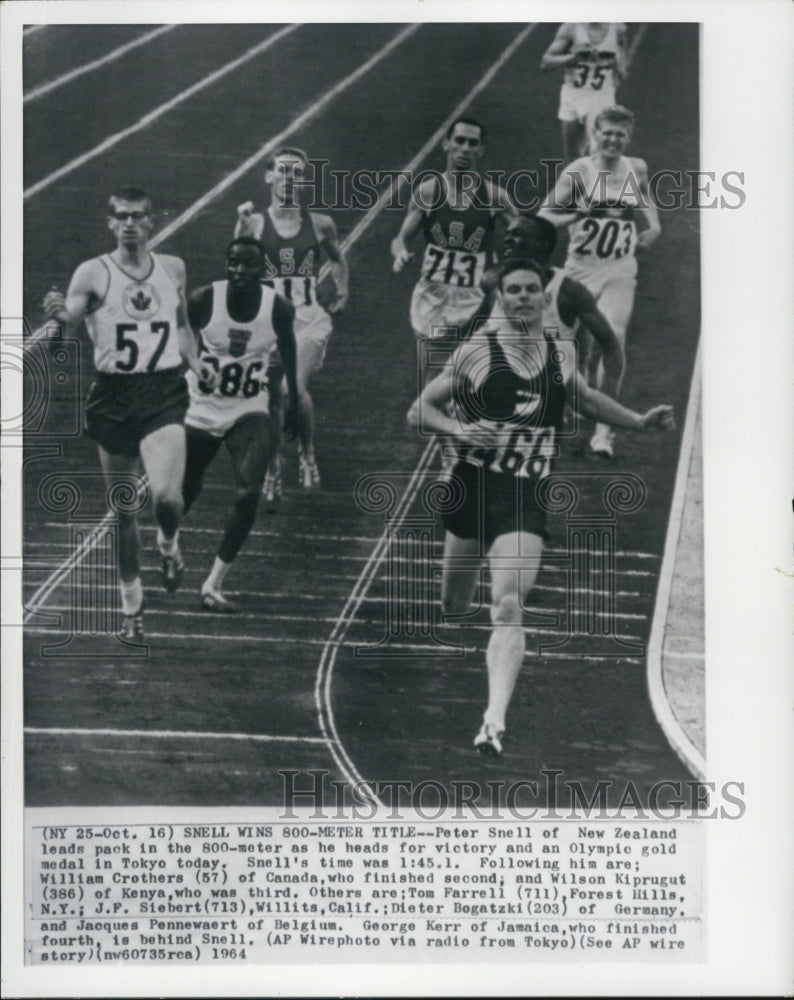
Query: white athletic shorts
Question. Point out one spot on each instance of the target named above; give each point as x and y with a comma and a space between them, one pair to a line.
582, 104
313, 326
215, 414
612, 285
435, 307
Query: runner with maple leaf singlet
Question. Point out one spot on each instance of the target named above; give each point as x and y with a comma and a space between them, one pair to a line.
133, 304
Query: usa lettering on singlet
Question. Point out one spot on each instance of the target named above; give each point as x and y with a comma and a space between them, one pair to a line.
134, 327
459, 242
594, 72
525, 398
291, 264
608, 232
238, 352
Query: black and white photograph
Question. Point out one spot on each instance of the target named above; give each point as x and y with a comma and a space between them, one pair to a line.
369, 455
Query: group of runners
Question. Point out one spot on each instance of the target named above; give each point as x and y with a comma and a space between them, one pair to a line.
524, 340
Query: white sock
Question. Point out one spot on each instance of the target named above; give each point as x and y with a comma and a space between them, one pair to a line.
167, 547
504, 657
217, 575
131, 596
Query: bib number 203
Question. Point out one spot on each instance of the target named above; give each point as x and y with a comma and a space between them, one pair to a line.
128, 344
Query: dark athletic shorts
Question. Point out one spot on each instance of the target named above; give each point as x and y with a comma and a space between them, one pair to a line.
121, 410
488, 505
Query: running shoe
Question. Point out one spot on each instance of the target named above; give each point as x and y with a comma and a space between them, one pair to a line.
602, 442
132, 626
489, 740
272, 489
172, 571
308, 474
214, 601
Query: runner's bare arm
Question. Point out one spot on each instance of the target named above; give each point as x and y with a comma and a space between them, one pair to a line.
560, 207
411, 223
577, 303
175, 267
560, 53
329, 241
430, 412
249, 222
647, 209
199, 311
621, 56
597, 406
87, 287
283, 320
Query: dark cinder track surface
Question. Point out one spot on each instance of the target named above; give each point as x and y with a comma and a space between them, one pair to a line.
217, 706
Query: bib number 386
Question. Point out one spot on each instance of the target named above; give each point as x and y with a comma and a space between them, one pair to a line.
235, 379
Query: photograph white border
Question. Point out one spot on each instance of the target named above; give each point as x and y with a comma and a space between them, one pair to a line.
747, 121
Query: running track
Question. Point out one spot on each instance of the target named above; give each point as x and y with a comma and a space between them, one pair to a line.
219, 705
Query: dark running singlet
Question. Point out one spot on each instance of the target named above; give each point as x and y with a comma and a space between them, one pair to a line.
459, 243
291, 263
530, 402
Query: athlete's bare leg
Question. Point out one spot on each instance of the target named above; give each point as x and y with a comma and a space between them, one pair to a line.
460, 571
616, 302
514, 561
119, 469
574, 140
163, 456
310, 355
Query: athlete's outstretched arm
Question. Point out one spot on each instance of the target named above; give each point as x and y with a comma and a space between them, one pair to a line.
329, 241
283, 319
579, 302
411, 224
597, 406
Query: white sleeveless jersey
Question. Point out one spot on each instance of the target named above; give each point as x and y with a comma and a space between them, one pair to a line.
239, 352
608, 232
595, 72
134, 328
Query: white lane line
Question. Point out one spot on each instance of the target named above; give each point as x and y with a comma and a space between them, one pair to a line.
261, 637
310, 619
158, 112
59, 81
669, 654
676, 735
311, 112
170, 734
306, 116
335, 641
369, 599
190, 529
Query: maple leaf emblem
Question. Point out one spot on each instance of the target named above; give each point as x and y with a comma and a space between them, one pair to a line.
140, 301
